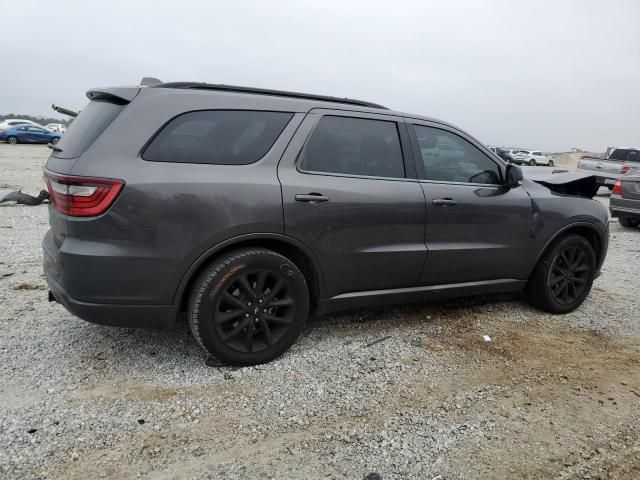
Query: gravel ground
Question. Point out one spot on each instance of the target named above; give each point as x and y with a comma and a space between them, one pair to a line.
547, 397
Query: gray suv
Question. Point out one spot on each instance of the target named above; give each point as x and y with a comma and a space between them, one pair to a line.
248, 210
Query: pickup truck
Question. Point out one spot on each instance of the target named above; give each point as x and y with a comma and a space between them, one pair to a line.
607, 170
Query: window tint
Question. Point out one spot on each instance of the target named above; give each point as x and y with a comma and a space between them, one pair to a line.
220, 137
633, 156
86, 128
537, 154
354, 146
619, 154
447, 157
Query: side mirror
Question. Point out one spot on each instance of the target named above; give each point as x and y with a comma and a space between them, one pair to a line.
513, 176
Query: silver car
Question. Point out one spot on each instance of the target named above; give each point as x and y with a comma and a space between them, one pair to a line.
625, 201
620, 161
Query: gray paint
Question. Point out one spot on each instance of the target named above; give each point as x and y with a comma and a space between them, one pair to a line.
380, 238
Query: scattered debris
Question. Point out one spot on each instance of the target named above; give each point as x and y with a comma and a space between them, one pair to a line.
486, 338
141, 421
24, 198
28, 286
5, 274
373, 476
377, 341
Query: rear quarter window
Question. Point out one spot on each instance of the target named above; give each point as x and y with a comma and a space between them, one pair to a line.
217, 137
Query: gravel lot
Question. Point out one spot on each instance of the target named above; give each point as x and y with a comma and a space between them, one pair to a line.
548, 397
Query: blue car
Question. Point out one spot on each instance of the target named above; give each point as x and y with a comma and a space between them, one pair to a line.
28, 134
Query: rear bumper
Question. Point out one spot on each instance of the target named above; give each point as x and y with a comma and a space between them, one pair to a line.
623, 207
116, 314
128, 316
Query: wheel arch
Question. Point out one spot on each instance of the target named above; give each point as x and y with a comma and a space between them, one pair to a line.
295, 251
589, 231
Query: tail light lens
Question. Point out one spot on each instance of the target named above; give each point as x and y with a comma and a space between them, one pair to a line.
617, 188
624, 169
81, 196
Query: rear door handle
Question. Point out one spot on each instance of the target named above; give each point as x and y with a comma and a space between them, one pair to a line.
311, 198
444, 202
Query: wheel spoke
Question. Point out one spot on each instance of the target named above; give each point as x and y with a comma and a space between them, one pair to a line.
239, 328
262, 278
555, 280
244, 283
224, 317
266, 330
233, 300
579, 281
278, 320
571, 290
275, 290
563, 255
282, 302
581, 268
577, 261
248, 341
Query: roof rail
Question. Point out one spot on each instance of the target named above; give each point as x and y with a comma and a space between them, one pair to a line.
263, 91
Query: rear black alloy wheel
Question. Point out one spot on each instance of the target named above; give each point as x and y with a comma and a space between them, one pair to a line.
12, 140
563, 276
254, 311
532, 162
569, 275
551, 164
629, 222
249, 307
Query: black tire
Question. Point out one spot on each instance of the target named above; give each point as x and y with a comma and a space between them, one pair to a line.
532, 162
13, 140
249, 306
551, 164
55, 140
566, 267
628, 222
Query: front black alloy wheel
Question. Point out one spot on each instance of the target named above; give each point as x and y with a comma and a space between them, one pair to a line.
569, 274
249, 307
563, 276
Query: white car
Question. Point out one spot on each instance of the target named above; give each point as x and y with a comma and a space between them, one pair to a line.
12, 122
56, 127
533, 157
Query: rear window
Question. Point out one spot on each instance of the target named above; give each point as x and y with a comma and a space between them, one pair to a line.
86, 128
623, 154
354, 146
218, 137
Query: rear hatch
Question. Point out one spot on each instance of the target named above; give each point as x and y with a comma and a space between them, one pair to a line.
95, 118
73, 198
631, 187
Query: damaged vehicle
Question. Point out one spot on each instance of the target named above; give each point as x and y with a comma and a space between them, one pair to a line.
248, 210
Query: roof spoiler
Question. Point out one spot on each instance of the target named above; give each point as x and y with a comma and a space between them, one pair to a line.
119, 95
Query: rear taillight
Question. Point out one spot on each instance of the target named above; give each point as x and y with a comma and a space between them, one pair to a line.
624, 169
617, 188
81, 196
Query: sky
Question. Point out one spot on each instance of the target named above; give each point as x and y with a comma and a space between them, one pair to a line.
546, 75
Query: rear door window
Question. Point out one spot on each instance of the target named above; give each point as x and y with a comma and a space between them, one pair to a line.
354, 146
86, 128
447, 157
218, 137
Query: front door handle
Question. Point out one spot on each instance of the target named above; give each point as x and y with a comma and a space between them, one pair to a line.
311, 198
444, 202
